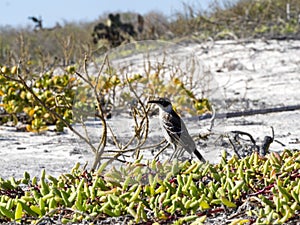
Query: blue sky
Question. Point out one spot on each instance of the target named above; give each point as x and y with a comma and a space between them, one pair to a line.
15, 12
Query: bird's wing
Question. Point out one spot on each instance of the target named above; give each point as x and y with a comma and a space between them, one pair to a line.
177, 131
172, 124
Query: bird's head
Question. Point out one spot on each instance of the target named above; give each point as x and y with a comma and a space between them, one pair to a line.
163, 104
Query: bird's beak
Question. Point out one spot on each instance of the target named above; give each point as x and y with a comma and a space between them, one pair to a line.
154, 101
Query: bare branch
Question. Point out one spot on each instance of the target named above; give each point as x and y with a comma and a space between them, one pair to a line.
234, 148
247, 134
266, 143
160, 151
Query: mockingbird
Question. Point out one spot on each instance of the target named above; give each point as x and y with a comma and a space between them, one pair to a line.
174, 130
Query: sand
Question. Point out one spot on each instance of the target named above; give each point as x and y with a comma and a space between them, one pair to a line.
253, 74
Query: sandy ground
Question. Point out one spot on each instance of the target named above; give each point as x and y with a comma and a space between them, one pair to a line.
250, 75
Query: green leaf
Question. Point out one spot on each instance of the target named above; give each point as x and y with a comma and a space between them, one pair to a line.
204, 205
36, 209
7, 213
228, 203
18, 212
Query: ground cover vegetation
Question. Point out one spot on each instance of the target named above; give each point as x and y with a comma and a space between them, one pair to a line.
255, 189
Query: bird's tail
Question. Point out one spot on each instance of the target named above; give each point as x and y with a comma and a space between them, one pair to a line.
199, 156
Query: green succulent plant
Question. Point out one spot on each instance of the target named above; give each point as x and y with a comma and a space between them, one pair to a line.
177, 192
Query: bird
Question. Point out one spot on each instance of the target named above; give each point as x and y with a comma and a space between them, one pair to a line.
174, 129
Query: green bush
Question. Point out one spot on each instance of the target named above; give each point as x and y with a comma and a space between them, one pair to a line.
56, 92
74, 99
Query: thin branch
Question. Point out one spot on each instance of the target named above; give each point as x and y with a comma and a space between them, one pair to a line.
212, 120
247, 134
234, 148
114, 137
145, 111
160, 151
100, 149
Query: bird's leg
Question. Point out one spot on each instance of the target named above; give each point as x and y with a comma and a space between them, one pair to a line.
178, 153
181, 152
174, 152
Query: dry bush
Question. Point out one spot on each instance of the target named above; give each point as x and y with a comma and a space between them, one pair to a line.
223, 19
238, 19
60, 46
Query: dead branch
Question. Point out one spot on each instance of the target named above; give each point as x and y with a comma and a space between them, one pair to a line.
237, 142
249, 112
145, 119
234, 148
266, 143
100, 149
161, 150
212, 120
263, 150
238, 133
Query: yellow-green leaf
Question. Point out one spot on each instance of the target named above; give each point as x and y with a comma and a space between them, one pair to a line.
204, 205
228, 203
18, 212
36, 209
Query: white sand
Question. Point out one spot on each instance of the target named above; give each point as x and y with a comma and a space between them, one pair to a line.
251, 75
